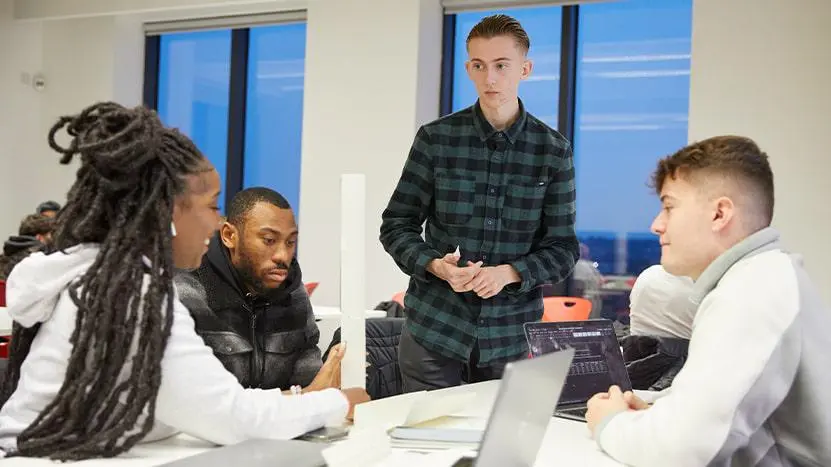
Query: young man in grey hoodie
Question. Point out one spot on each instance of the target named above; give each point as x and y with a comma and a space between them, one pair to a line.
753, 390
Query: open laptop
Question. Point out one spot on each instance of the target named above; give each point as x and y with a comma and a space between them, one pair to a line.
528, 393
598, 361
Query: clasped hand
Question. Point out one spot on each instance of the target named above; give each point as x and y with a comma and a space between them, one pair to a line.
485, 281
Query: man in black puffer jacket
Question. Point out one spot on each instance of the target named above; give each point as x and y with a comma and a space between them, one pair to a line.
248, 300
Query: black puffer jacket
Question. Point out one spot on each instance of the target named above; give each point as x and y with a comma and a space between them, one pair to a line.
267, 341
652, 362
383, 375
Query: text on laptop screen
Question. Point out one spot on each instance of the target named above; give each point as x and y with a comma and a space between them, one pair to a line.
598, 362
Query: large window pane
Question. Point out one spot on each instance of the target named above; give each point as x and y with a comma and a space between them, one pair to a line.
194, 82
274, 111
631, 109
541, 90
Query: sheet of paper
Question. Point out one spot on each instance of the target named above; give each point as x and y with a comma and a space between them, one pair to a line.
435, 406
359, 450
385, 413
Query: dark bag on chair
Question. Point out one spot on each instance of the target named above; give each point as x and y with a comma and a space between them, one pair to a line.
652, 362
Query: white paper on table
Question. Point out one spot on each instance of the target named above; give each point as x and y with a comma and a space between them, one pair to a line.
353, 279
409, 409
359, 450
385, 413
433, 407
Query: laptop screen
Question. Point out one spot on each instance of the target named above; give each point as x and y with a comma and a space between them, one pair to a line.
598, 361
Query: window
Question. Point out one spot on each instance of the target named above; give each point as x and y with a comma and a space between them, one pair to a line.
193, 89
238, 94
540, 91
274, 114
632, 99
622, 101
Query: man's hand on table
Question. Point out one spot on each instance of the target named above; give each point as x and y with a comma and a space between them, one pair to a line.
606, 404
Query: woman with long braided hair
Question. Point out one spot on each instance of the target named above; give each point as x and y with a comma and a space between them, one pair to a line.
104, 355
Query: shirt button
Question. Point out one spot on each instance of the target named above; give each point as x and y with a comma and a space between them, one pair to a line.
484, 257
490, 221
482, 322
492, 191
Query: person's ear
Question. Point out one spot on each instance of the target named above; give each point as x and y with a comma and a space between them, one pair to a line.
527, 67
723, 212
229, 234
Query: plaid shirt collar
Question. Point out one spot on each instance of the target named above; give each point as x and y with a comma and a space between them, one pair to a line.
485, 130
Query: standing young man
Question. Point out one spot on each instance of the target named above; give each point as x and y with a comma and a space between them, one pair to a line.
495, 186
753, 389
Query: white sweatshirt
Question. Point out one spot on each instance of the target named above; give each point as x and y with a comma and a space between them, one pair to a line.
754, 390
659, 304
197, 395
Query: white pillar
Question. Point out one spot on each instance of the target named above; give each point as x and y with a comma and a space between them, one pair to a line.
353, 279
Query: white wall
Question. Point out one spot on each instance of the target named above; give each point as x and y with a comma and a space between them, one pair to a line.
20, 57
83, 60
370, 81
762, 68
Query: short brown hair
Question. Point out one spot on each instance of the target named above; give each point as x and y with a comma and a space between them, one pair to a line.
729, 157
500, 25
36, 224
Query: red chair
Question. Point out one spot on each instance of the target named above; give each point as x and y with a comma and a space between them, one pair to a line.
310, 287
566, 309
2, 293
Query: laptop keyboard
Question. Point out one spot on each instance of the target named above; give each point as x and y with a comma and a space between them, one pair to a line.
588, 368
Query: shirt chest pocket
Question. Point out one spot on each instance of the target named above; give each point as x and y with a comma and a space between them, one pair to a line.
524, 200
454, 197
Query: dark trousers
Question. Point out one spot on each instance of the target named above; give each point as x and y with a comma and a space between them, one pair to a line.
423, 370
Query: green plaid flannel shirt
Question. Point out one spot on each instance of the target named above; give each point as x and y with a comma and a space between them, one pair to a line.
502, 198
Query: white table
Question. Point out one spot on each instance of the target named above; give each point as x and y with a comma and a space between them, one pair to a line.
566, 442
328, 320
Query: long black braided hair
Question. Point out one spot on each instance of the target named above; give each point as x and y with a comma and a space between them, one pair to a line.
132, 169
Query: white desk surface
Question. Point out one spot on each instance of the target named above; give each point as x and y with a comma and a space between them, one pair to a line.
566, 442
